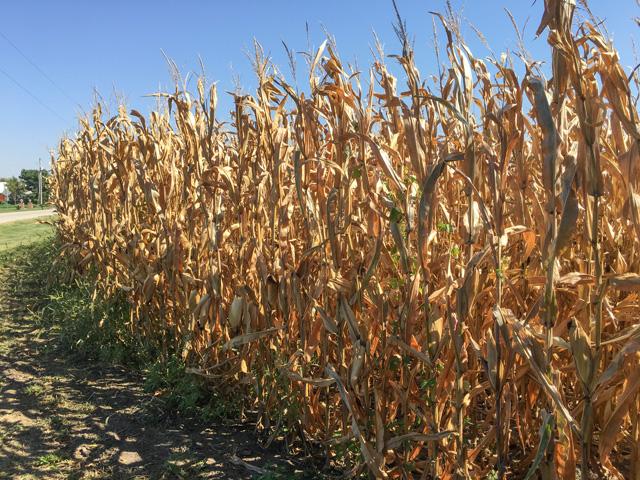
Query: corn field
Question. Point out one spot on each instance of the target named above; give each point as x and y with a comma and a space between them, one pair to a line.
428, 278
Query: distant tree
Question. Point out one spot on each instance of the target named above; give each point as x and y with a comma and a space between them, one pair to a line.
30, 179
16, 189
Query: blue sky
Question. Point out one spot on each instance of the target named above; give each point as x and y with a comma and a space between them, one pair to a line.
115, 48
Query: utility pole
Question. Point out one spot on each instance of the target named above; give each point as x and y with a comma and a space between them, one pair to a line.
39, 181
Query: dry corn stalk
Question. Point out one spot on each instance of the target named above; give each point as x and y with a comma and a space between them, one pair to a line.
446, 277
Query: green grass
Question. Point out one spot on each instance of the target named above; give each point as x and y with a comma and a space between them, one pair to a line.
9, 208
24, 232
49, 459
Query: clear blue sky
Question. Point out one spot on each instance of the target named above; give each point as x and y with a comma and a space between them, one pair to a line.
114, 47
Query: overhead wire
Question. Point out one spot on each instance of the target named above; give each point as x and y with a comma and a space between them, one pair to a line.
31, 94
40, 70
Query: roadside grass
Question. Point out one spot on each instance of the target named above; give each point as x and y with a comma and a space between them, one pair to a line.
24, 233
9, 208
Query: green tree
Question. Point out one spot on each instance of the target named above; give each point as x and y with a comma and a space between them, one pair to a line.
30, 179
16, 189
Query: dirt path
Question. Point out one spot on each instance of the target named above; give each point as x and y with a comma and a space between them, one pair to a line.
63, 418
25, 215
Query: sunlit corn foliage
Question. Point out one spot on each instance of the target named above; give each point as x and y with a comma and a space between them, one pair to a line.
425, 278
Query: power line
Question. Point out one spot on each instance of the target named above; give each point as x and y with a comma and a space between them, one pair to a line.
34, 65
32, 95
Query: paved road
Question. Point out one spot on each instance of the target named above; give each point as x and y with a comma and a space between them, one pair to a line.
25, 215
